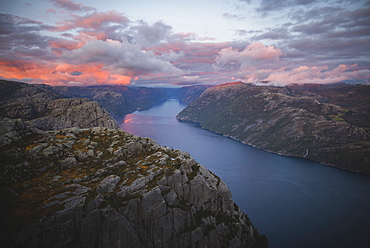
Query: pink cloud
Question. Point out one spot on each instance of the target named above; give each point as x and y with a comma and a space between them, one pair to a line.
65, 44
52, 11
254, 53
71, 6
92, 21
61, 73
307, 75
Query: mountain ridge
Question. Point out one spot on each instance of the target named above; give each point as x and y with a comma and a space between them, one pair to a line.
285, 122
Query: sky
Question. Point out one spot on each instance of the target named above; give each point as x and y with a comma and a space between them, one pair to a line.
174, 43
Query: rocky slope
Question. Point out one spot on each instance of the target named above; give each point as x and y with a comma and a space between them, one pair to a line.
188, 94
288, 121
103, 187
43, 109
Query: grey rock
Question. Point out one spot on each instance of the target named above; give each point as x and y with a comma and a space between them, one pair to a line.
108, 184
69, 162
152, 196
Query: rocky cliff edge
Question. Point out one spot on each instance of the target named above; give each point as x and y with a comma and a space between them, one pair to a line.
102, 187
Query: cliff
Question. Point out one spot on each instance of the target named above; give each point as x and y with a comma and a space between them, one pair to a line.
43, 109
288, 121
64, 184
103, 187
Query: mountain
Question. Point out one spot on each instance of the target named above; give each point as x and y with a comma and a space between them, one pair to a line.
295, 121
102, 187
117, 100
188, 94
43, 109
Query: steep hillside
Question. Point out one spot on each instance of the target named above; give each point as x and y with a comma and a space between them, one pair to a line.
43, 109
188, 94
284, 122
117, 100
102, 187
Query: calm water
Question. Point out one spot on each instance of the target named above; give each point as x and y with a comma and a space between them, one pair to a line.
294, 202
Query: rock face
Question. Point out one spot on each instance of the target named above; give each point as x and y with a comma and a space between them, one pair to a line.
43, 109
73, 112
102, 187
289, 121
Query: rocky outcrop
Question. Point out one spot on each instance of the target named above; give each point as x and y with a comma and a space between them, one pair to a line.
102, 187
73, 112
41, 108
280, 120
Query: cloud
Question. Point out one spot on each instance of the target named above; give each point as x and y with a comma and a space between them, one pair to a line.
23, 38
309, 43
96, 20
268, 5
122, 58
172, 56
307, 75
71, 6
149, 35
253, 54
52, 11
233, 16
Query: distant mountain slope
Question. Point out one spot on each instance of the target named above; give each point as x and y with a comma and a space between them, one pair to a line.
117, 100
43, 109
188, 94
289, 121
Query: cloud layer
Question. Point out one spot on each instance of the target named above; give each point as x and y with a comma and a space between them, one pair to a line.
311, 42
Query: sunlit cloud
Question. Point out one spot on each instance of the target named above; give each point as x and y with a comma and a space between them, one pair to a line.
251, 55
96, 20
315, 43
307, 75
